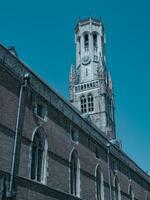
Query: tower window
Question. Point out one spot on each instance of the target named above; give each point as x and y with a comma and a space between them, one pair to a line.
74, 174
95, 41
83, 104
86, 42
79, 45
90, 103
38, 157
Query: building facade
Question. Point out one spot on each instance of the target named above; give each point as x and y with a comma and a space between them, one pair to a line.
48, 149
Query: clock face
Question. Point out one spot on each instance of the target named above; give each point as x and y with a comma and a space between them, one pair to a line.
86, 60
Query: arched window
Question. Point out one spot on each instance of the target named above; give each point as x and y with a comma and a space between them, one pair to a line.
98, 184
38, 159
95, 41
130, 193
90, 103
83, 104
74, 174
79, 45
86, 42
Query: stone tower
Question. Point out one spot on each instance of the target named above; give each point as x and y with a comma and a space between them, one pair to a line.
91, 89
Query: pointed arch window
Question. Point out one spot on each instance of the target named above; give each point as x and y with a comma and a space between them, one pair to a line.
83, 104
38, 157
95, 41
74, 174
79, 45
86, 42
90, 103
98, 184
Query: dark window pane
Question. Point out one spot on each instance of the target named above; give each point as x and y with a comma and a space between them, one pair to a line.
39, 110
39, 167
33, 163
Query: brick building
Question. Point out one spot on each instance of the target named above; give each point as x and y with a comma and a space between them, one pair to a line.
51, 150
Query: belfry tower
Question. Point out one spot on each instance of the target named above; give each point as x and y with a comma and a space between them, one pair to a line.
91, 89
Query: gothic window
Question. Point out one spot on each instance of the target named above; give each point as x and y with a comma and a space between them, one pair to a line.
98, 184
103, 44
38, 157
79, 45
86, 42
74, 174
95, 41
90, 103
83, 104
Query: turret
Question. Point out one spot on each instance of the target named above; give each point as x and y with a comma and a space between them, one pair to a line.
72, 81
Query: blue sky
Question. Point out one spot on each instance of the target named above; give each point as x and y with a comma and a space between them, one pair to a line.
43, 34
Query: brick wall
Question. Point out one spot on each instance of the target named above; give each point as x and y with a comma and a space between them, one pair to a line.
60, 146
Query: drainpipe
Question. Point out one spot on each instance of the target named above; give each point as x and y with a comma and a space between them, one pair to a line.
11, 192
109, 174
